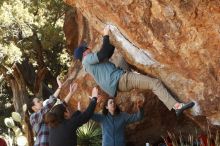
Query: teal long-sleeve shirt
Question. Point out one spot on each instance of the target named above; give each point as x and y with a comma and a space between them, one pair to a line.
106, 74
113, 126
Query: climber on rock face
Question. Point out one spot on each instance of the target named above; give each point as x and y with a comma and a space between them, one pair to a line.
112, 79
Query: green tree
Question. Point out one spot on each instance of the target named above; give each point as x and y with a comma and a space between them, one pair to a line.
32, 47
32, 42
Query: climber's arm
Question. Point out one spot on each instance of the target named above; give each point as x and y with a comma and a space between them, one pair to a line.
107, 48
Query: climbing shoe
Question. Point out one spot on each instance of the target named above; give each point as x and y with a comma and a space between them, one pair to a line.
185, 106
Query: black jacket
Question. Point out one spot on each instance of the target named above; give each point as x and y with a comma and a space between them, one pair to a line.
65, 133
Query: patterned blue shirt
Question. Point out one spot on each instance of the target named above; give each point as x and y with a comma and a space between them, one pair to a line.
40, 129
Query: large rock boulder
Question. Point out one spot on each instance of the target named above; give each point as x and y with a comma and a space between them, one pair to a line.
175, 41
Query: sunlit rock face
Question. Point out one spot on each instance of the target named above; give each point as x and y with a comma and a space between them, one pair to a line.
175, 41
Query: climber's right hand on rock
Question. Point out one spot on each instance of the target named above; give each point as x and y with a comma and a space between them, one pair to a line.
106, 30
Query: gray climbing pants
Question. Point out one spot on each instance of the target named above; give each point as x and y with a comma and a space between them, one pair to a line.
130, 80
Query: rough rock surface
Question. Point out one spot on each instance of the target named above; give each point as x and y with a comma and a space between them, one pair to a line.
176, 41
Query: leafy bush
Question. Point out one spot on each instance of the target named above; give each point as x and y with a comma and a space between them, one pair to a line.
89, 134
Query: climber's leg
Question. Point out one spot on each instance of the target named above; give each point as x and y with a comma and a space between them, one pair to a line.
131, 80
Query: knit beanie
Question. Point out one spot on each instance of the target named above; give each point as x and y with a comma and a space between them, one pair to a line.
78, 52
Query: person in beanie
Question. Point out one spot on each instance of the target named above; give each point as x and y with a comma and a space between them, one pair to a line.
112, 79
